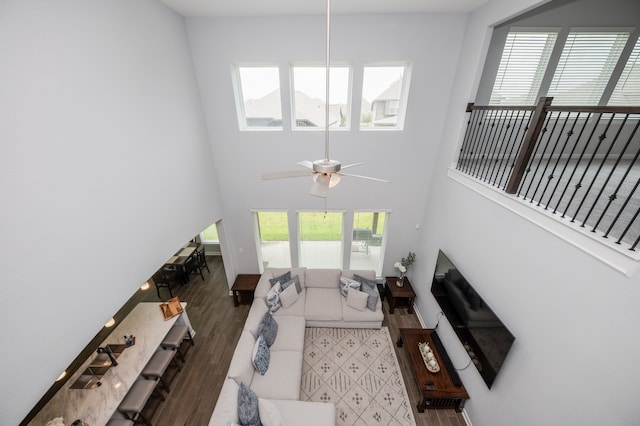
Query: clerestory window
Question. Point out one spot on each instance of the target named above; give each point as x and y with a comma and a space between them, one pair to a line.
384, 96
258, 102
309, 100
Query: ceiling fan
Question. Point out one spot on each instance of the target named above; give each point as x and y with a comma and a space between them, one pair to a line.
326, 173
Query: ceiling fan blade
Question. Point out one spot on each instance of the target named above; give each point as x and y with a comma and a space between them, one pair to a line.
365, 177
320, 186
306, 163
286, 174
351, 165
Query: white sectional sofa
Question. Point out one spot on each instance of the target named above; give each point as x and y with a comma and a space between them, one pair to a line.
319, 304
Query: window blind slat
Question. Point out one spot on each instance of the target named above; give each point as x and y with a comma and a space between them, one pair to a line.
627, 91
585, 66
522, 66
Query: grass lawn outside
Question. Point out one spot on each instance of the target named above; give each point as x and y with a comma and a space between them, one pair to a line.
315, 226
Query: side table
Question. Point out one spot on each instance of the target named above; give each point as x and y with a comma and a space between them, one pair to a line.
243, 288
400, 297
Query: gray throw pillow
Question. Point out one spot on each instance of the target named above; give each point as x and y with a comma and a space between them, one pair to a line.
282, 278
373, 294
248, 406
268, 328
261, 356
365, 281
295, 280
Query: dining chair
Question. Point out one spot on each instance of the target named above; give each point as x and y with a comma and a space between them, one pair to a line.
191, 266
166, 278
202, 260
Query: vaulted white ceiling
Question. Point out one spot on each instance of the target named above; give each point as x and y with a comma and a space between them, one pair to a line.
215, 8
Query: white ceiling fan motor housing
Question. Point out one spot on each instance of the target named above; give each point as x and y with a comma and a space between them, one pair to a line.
326, 166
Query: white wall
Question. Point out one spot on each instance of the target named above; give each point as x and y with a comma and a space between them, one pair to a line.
105, 171
431, 43
574, 318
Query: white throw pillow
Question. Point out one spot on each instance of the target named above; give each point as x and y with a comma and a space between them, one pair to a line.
273, 297
269, 413
346, 283
357, 299
289, 296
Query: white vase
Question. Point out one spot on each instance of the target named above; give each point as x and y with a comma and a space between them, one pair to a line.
400, 281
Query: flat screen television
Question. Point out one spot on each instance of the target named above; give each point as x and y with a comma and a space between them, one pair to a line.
482, 334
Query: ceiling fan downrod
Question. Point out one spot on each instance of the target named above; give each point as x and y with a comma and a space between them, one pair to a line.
327, 72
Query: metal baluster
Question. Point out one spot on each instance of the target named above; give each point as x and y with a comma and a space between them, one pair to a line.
476, 142
633, 219
485, 141
543, 156
566, 165
555, 166
491, 162
614, 195
526, 116
533, 157
468, 140
624, 205
586, 169
501, 152
606, 155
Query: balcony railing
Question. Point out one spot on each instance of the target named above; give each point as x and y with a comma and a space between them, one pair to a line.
579, 163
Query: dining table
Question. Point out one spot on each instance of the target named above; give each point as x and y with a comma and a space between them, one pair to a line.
180, 258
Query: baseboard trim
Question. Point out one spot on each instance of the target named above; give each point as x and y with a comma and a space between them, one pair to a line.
466, 418
417, 312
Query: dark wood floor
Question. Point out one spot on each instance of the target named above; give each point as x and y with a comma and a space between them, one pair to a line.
218, 325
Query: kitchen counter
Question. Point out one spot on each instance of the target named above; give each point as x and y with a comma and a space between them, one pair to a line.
96, 406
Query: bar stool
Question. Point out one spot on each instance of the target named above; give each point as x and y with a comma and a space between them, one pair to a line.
174, 338
133, 404
158, 364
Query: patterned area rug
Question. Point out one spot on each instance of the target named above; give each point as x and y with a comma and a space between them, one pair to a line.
357, 370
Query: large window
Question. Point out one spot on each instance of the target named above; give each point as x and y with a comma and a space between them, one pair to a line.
368, 242
309, 87
210, 235
523, 64
384, 96
272, 239
258, 97
585, 67
320, 239
580, 71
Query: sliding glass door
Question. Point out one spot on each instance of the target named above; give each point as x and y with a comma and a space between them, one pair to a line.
369, 240
272, 239
320, 239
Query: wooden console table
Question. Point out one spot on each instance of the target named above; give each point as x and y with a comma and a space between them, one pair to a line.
443, 393
400, 297
243, 288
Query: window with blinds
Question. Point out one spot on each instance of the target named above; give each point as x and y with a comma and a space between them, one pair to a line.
627, 91
523, 64
585, 67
